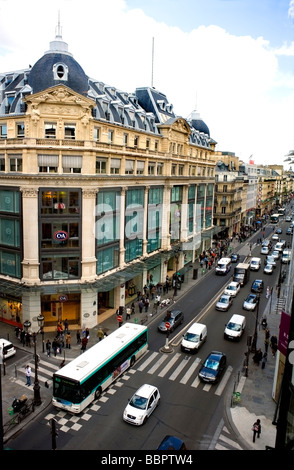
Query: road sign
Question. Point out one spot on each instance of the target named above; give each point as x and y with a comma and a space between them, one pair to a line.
119, 318
167, 325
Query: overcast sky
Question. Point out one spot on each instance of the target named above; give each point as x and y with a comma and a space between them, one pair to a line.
232, 60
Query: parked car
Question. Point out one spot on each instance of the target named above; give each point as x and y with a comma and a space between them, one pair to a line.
250, 303
257, 286
268, 269
235, 257
213, 367
224, 303
174, 318
232, 289
264, 250
141, 405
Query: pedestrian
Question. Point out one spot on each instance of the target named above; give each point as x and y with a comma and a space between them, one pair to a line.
257, 357
128, 313
67, 340
78, 334
141, 305
133, 308
84, 343
66, 325
48, 347
274, 344
266, 339
28, 339
23, 337
263, 360
87, 333
256, 428
100, 333
28, 375
146, 305
54, 346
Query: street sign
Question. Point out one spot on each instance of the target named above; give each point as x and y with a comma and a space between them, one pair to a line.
119, 318
167, 325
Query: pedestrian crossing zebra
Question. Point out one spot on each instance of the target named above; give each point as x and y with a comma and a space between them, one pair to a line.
183, 369
45, 371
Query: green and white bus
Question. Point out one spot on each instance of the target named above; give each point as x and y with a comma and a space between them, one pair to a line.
275, 218
83, 379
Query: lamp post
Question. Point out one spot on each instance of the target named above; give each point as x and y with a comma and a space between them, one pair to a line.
41, 319
254, 341
37, 396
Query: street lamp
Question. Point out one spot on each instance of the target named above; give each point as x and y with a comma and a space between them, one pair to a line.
254, 341
41, 319
37, 396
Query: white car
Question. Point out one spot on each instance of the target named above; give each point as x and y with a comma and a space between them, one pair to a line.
275, 237
141, 405
224, 303
232, 289
264, 250
6, 348
268, 269
275, 254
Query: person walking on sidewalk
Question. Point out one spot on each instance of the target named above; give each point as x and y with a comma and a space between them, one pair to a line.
128, 313
274, 344
267, 335
68, 340
256, 429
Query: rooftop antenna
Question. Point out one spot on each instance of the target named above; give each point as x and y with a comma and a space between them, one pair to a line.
58, 32
152, 61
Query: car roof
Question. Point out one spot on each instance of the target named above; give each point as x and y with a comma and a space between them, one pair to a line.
5, 342
257, 280
236, 317
145, 390
171, 443
233, 283
175, 312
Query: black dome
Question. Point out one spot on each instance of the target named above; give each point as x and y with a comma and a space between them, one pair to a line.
42, 75
200, 126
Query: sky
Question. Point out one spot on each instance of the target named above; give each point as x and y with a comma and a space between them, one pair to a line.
231, 60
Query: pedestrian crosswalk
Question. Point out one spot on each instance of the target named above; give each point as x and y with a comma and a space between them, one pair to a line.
181, 368
46, 369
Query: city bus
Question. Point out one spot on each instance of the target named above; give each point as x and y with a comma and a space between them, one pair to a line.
275, 218
84, 379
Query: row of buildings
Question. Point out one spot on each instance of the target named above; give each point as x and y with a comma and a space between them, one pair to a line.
104, 191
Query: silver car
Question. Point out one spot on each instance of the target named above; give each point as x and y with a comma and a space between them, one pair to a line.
224, 303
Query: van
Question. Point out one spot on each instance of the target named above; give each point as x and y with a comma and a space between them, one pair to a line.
234, 329
255, 264
194, 337
6, 348
223, 266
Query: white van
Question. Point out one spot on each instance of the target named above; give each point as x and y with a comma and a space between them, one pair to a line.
6, 348
194, 337
286, 257
223, 266
255, 264
234, 329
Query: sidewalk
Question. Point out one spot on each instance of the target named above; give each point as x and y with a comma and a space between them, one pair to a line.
256, 389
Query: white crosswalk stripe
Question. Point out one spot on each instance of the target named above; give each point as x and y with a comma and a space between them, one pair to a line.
46, 370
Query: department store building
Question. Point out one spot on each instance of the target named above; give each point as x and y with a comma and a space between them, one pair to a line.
101, 192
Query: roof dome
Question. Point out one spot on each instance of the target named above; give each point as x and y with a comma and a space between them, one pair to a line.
198, 123
57, 66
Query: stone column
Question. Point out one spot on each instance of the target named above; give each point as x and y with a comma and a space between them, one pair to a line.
30, 236
88, 235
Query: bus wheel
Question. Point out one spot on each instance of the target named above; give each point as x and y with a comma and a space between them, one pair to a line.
132, 361
98, 393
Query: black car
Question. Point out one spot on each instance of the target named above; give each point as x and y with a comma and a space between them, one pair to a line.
213, 367
174, 318
235, 257
257, 286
